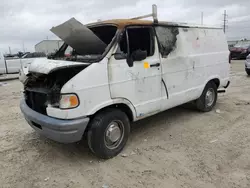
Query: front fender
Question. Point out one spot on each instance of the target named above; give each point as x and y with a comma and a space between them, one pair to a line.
113, 102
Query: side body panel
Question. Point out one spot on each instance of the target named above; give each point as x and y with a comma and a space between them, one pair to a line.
200, 55
92, 87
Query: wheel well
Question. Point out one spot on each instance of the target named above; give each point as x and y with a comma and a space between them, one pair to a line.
216, 81
122, 107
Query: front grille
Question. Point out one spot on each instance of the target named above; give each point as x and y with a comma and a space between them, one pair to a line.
36, 101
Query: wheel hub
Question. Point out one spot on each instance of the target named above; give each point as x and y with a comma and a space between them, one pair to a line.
113, 133
210, 95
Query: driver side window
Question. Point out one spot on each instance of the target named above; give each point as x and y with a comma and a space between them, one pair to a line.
136, 38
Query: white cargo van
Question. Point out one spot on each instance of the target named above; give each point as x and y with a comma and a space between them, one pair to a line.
121, 71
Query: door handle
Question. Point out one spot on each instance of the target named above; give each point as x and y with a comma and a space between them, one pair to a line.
155, 65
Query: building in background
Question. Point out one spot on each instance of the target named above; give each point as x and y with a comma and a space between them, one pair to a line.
48, 46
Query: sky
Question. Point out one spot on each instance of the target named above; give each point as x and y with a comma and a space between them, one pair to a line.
25, 23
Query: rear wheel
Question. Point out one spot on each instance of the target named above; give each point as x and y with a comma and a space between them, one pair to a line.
108, 133
208, 99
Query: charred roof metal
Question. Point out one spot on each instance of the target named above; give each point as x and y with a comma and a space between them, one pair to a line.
121, 23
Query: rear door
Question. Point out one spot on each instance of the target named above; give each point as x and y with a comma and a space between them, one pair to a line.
141, 83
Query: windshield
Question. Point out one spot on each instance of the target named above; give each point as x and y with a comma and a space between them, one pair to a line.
242, 45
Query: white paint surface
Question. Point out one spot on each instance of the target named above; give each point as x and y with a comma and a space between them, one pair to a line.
201, 55
45, 66
139, 85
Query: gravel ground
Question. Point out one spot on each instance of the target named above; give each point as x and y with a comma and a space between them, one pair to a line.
177, 148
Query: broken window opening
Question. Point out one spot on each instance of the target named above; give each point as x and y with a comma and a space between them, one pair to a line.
139, 38
87, 50
105, 33
167, 37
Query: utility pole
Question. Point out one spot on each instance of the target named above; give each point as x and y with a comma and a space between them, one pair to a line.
225, 21
9, 50
202, 17
23, 47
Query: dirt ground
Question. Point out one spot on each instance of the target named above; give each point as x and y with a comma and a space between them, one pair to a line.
177, 148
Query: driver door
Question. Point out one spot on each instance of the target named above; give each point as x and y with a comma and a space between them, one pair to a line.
140, 83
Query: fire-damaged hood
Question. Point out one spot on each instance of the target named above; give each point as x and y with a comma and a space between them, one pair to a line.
79, 37
46, 66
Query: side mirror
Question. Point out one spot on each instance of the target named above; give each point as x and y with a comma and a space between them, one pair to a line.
137, 55
130, 61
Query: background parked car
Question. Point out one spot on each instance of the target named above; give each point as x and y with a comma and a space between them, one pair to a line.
26, 60
247, 65
240, 51
33, 55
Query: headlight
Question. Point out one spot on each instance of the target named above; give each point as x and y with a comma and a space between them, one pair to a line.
68, 101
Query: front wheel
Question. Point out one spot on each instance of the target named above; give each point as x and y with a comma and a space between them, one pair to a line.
208, 99
248, 72
108, 133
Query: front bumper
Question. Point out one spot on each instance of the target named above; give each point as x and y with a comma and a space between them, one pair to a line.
63, 131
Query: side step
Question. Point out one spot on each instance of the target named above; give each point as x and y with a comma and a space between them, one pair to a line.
221, 91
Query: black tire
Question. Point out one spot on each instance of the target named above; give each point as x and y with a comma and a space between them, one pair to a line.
202, 104
248, 73
97, 134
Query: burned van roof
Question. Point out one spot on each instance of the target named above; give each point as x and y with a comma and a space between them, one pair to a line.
121, 23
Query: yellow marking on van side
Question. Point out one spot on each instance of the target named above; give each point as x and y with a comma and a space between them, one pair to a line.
146, 65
